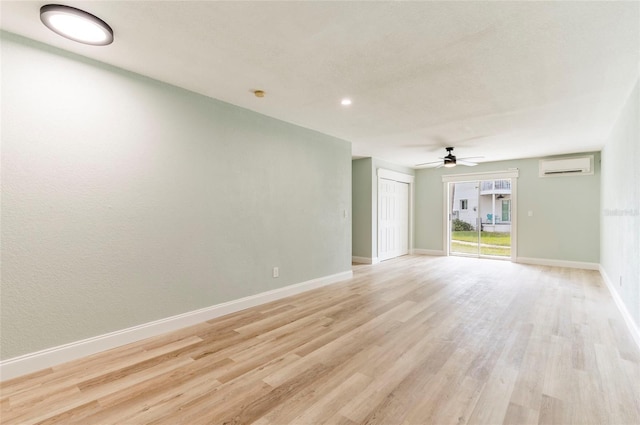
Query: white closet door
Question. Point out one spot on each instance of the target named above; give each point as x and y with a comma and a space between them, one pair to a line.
393, 219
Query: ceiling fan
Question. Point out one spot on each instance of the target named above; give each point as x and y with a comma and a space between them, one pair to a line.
450, 160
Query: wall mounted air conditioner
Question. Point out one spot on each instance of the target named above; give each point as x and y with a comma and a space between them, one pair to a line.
579, 165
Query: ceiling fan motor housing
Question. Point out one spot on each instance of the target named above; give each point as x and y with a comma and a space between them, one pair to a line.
450, 158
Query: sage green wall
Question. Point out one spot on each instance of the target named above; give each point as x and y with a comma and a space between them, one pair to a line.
365, 203
565, 224
126, 200
379, 163
620, 214
361, 207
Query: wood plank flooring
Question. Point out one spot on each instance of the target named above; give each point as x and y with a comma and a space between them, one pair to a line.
414, 340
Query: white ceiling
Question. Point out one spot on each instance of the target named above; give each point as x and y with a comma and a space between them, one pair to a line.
502, 80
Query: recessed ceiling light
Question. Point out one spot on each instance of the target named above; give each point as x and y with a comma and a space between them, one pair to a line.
345, 102
76, 24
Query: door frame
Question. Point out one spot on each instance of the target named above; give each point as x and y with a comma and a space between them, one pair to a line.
468, 177
383, 173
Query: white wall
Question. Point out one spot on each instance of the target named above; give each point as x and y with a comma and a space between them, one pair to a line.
126, 200
620, 212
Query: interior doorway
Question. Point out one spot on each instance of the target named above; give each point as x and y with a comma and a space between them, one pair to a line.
480, 218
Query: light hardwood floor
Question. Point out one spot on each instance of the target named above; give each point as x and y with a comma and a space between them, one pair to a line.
415, 340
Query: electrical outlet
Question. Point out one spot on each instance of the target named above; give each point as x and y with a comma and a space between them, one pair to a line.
276, 272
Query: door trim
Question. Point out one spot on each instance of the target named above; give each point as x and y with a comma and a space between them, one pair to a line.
487, 175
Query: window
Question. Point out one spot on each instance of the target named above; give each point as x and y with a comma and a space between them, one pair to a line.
463, 204
506, 210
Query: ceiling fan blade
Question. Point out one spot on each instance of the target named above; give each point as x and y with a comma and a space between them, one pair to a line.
429, 163
467, 163
470, 157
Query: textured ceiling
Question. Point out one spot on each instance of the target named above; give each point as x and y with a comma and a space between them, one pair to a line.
501, 80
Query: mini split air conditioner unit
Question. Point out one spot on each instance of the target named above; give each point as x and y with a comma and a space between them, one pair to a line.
582, 165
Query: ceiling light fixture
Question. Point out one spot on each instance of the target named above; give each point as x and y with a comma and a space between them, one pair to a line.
76, 24
345, 102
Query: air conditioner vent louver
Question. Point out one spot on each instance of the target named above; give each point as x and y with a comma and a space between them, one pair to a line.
582, 165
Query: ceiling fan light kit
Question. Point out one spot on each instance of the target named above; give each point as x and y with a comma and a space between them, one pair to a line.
451, 161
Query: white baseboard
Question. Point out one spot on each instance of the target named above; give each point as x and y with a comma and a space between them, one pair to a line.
633, 327
365, 260
558, 263
361, 260
49, 357
418, 251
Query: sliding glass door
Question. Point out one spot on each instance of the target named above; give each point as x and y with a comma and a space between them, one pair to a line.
464, 238
480, 218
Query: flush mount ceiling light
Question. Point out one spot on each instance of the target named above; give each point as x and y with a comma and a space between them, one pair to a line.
76, 24
345, 102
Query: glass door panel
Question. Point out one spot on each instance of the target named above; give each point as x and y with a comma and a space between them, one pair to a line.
495, 217
463, 213
480, 218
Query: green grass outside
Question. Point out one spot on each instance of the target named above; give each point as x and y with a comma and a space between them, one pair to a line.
501, 239
459, 248
490, 238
